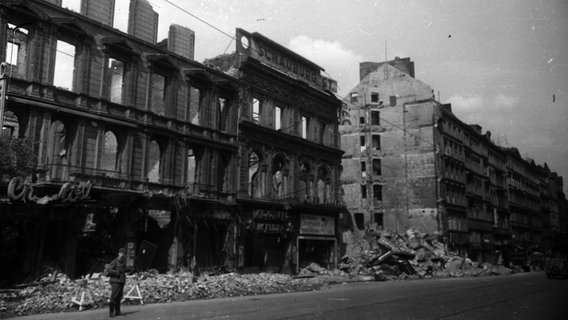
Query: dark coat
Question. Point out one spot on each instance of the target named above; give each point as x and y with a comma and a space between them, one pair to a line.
117, 270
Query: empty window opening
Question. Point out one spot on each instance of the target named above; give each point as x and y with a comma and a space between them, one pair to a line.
363, 166
377, 170
222, 166
64, 65
362, 142
115, 73
277, 118
359, 221
378, 219
195, 98
375, 118
254, 175
279, 179
374, 97
121, 12
256, 110
223, 105
361, 120
304, 184
304, 127
11, 125
158, 90
109, 156
191, 167
377, 192
392, 100
354, 97
364, 191
12, 50
376, 141
154, 156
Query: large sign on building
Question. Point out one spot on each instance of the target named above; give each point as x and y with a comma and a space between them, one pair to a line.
317, 225
259, 47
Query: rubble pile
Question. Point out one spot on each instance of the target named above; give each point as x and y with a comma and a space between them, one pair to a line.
386, 255
56, 292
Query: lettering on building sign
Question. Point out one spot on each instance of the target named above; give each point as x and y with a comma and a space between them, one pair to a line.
270, 215
282, 60
70, 192
269, 227
317, 224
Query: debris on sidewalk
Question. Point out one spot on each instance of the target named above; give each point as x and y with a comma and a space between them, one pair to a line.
57, 294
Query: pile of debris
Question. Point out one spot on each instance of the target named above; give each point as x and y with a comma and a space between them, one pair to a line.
57, 293
382, 255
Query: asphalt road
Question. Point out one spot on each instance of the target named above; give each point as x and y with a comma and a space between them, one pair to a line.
521, 296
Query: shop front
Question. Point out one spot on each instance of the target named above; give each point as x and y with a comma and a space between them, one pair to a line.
316, 241
265, 242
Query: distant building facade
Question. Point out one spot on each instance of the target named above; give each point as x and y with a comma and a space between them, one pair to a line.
409, 162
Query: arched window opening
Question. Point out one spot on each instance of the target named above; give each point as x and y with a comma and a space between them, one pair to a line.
304, 192
154, 156
58, 159
254, 189
222, 167
322, 187
279, 177
11, 125
110, 153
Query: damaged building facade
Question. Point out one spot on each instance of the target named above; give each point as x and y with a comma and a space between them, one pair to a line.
290, 159
409, 162
136, 143
234, 162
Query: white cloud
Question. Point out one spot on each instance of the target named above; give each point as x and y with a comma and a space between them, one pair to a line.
505, 101
466, 103
338, 61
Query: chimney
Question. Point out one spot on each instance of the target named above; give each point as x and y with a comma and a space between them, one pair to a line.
143, 22
181, 40
99, 10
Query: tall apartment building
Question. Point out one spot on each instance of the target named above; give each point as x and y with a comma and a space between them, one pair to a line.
409, 162
290, 159
136, 143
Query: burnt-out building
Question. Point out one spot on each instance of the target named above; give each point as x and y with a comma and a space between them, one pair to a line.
135, 142
290, 160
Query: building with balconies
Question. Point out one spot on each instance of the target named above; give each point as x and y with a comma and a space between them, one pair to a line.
136, 143
409, 162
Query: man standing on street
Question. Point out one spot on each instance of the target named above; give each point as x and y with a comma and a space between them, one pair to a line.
116, 270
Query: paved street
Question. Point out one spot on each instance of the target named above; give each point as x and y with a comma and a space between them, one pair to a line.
521, 296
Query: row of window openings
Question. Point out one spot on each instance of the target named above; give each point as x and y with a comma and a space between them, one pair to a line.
377, 192
360, 220
375, 119
377, 167
354, 98
115, 71
256, 116
110, 156
375, 142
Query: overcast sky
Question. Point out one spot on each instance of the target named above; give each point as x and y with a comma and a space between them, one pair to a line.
502, 64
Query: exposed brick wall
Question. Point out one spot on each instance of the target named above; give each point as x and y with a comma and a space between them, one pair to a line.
143, 22
181, 40
99, 10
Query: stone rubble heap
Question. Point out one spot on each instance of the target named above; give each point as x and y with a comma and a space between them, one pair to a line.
55, 291
381, 255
